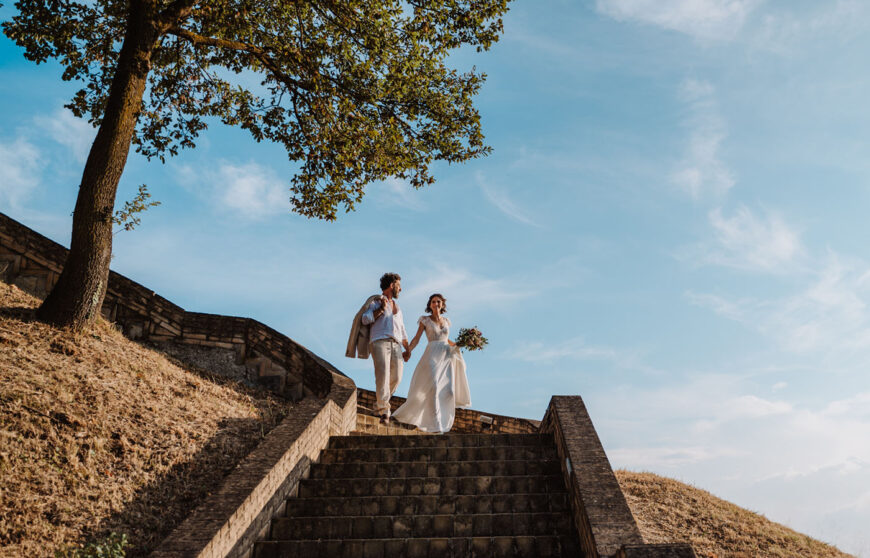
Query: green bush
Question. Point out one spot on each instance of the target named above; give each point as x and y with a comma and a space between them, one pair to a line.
108, 547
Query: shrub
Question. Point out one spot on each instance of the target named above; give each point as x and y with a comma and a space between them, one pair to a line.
111, 546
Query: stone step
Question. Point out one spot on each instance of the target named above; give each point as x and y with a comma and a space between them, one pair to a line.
450, 453
428, 505
419, 526
367, 425
434, 469
446, 440
459, 547
447, 486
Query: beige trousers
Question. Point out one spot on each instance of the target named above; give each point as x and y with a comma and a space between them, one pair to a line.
387, 355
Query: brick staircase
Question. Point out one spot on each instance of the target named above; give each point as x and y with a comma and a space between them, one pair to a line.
456, 495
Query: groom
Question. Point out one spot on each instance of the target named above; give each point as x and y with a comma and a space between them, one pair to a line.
387, 337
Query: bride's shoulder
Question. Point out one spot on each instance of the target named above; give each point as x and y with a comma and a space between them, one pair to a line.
422, 319
446, 320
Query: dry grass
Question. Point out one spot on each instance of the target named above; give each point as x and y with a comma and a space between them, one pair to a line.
670, 511
100, 434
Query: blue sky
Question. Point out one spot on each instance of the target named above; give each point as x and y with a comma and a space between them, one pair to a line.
673, 224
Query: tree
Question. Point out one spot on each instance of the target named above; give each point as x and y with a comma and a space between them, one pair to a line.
355, 90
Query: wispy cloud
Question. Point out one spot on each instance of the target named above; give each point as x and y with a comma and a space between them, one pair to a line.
464, 288
69, 131
702, 173
250, 190
503, 203
788, 31
827, 318
702, 19
578, 349
21, 164
398, 192
746, 241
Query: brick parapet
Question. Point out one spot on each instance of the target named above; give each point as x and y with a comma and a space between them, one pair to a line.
601, 514
233, 518
466, 421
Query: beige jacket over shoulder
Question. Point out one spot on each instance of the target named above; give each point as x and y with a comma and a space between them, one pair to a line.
358, 342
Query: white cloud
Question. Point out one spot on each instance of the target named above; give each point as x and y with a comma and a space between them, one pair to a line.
827, 319
785, 32
745, 241
398, 192
21, 164
721, 306
74, 133
503, 203
250, 190
702, 173
577, 349
753, 407
702, 19
464, 289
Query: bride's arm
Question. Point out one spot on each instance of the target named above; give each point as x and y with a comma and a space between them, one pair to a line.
416, 338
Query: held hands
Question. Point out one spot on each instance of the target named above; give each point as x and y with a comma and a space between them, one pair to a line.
406, 356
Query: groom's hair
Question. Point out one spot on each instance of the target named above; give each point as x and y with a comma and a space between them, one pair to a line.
429, 303
388, 279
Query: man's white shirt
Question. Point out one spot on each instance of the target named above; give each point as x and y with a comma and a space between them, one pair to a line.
388, 325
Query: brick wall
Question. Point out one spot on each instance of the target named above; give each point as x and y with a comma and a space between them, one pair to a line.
467, 421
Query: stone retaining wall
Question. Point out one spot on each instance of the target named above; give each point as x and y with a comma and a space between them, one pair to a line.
467, 421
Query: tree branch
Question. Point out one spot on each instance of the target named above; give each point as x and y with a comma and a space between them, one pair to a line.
176, 12
259, 53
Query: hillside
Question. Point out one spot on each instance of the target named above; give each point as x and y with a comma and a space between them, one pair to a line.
101, 434
670, 511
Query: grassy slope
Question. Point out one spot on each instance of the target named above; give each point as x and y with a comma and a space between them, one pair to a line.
670, 511
100, 434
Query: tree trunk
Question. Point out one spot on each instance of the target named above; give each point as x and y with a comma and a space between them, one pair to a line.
76, 299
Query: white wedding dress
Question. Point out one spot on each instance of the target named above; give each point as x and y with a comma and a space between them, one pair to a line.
439, 384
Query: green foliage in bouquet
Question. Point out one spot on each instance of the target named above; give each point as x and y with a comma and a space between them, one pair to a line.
471, 339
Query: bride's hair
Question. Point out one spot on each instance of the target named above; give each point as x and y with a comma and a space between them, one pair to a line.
429, 303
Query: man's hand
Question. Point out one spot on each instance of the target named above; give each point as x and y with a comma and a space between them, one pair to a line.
406, 355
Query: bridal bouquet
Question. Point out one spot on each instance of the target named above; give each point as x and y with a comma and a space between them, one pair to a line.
471, 339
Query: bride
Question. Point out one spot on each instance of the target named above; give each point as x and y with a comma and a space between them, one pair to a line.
439, 384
